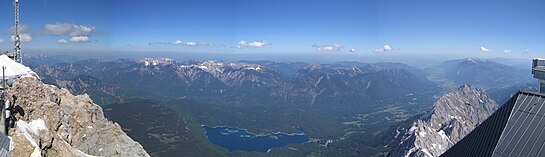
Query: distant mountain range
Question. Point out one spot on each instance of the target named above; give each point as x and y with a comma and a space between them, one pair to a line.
237, 83
352, 104
483, 73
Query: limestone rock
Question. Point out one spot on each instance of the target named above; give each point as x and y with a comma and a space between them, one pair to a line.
453, 116
57, 123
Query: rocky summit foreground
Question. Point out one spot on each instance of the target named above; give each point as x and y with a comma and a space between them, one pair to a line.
452, 117
53, 122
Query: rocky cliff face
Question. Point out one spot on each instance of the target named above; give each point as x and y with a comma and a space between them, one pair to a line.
57, 123
453, 116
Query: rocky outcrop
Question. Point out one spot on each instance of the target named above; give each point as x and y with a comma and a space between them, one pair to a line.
453, 116
53, 122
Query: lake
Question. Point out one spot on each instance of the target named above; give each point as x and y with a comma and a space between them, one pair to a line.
238, 139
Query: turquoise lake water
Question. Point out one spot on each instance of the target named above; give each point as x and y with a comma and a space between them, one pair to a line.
237, 139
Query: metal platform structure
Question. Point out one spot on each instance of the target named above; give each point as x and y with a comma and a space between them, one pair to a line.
4, 102
538, 70
4, 145
515, 129
15, 55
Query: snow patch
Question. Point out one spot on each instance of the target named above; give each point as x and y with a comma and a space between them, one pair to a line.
37, 125
456, 117
427, 152
156, 61
422, 133
30, 74
442, 134
33, 127
36, 152
474, 61
411, 130
257, 68
13, 69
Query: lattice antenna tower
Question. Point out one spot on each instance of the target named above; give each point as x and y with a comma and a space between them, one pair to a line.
17, 39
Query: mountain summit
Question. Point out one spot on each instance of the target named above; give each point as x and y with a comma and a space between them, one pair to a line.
53, 122
487, 74
453, 116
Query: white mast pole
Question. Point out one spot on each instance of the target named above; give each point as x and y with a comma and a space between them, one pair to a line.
17, 49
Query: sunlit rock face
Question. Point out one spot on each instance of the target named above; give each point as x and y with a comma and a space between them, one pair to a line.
453, 116
57, 123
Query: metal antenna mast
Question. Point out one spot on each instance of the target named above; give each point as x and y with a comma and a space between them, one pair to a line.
17, 40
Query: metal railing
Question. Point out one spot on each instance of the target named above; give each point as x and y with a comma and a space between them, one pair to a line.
3, 100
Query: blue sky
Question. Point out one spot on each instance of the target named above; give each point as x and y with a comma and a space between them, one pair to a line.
462, 28
34, 14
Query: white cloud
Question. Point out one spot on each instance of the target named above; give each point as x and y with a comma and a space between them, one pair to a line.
507, 51
79, 39
384, 49
62, 41
68, 29
23, 37
328, 47
526, 51
249, 44
78, 33
353, 50
190, 43
484, 49
23, 29
26, 37
2, 41
179, 42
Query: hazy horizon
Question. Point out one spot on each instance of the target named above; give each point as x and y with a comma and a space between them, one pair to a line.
306, 30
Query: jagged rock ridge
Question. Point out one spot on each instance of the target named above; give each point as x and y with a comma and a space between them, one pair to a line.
57, 123
453, 116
